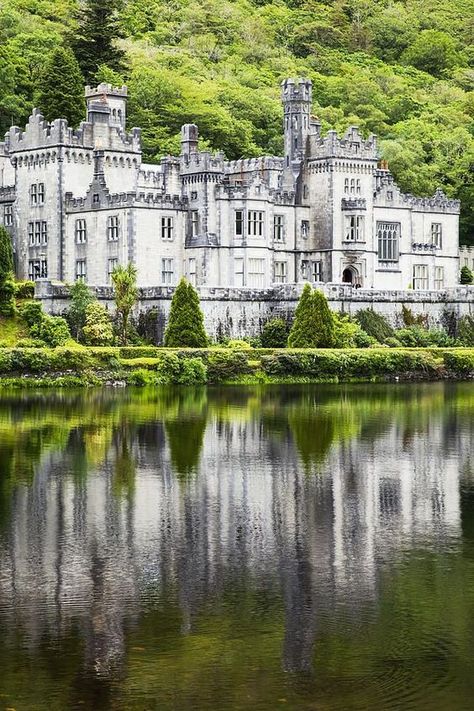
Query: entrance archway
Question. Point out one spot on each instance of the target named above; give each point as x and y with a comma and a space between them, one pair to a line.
348, 276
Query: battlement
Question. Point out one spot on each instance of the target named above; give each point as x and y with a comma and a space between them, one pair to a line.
297, 90
39, 133
105, 89
439, 202
202, 162
351, 145
7, 193
250, 165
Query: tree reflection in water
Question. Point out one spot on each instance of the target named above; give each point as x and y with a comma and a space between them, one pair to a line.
205, 548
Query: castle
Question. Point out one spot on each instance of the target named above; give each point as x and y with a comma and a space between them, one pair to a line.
79, 202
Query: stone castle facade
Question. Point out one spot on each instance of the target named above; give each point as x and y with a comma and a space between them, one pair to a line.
79, 202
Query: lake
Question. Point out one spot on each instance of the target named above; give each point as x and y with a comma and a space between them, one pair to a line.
262, 548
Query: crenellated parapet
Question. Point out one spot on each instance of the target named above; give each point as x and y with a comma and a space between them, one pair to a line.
251, 165
202, 162
388, 194
352, 145
39, 133
7, 193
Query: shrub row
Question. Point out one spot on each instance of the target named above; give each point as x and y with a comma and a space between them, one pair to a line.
194, 366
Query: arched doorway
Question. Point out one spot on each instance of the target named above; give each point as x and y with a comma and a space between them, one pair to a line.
348, 276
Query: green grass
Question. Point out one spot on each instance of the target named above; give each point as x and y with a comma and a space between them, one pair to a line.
12, 330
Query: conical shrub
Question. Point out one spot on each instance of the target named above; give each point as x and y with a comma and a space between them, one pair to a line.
313, 326
185, 327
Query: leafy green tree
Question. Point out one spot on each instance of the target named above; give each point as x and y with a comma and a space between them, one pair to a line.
124, 280
433, 52
97, 329
274, 334
314, 325
53, 330
81, 297
61, 88
186, 322
7, 285
466, 276
6, 254
95, 40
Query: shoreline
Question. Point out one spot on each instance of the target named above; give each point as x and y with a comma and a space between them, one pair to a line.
73, 367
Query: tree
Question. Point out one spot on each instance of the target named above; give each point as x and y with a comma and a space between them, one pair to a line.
81, 297
432, 52
274, 334
6, 254
95, 40
98, 329
61, 88
466, 276
314, 325
7, 285
186, 322
124, 280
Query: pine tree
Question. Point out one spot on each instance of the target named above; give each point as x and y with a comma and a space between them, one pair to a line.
81, 297
185, 327
313, 326
61, 88
7, 285
466, 275
301, 331
6, 254
95, 41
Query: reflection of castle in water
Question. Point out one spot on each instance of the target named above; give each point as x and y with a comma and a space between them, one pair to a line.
85, 550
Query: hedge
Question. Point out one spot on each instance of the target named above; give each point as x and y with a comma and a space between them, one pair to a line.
217, 365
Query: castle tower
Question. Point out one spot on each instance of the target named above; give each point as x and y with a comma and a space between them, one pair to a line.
296, 95
115, 98
189, 138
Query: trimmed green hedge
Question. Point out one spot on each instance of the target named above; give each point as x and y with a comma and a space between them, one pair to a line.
217, 365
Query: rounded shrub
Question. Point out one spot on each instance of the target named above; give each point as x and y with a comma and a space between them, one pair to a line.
274, 334
192, 372
238, 344
32, 313
54, 330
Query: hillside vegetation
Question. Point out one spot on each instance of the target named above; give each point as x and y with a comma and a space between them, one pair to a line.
404, 70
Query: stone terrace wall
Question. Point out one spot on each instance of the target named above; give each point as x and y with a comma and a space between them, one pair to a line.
239, 312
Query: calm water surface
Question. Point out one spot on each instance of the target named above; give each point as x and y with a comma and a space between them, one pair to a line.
256, 548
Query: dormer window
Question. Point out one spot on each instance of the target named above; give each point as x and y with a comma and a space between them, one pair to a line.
95, 199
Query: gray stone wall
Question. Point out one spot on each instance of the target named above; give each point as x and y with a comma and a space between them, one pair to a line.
239, 312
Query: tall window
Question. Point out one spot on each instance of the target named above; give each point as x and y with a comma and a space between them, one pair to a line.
312, 270
279, 228
439, 277
388, 236
37, 194
81, 270
81, 231
194, 223
437, 234
281, 272
192, 271
37, 269
420, 277
167, 228
305, 229
239, 223
346, 185
37, 233
255, 223
354, 228
317, 271
111, 264
256, 273
238, 272
167, 271
8, 215
113, 228
358, 186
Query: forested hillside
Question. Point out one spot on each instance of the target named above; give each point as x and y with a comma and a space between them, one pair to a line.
404, 70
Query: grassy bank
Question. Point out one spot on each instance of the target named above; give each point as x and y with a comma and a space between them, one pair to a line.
81, 366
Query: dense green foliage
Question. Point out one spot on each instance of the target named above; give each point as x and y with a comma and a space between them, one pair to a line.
314, 323
199, 366
61, 88
97, 329
375, 324
403, 70
124, 280
467, 276
81, 297
186, 322
94, 40
274, 333
7, 285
